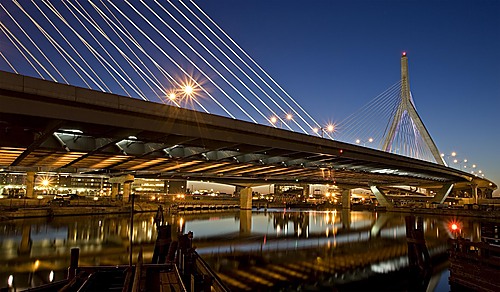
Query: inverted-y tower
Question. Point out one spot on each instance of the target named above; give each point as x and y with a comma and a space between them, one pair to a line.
406, 107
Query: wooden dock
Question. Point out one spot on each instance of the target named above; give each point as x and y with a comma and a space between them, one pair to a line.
474, 265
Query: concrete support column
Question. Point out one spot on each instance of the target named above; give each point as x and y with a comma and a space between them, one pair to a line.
346, 199
127, 181
127, 187
474, 193
30, 184
246, 199
115, 188
381, 197
482, 193
442, 193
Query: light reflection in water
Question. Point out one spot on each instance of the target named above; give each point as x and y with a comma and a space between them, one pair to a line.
285, 238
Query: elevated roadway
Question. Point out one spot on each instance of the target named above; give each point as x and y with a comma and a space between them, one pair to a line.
46, 126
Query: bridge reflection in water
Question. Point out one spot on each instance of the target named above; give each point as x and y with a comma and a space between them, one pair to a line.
259, 250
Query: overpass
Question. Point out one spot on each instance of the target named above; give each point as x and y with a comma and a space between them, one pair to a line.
52, 127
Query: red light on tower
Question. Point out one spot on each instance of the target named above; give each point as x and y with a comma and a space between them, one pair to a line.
404, 54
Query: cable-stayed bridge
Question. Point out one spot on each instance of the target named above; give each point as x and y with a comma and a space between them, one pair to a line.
174, 53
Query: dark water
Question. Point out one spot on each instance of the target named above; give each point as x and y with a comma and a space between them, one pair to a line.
279, 250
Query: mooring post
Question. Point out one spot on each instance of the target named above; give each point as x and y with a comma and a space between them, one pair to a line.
73, 262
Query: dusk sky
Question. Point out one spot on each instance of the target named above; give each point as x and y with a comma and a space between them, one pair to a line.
333, 57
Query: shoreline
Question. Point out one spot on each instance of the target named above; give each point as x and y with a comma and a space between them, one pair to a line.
21, 211
44, 211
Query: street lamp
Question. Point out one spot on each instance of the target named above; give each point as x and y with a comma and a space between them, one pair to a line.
187, 90
445, 156
329, 128
363, 142
460, 163
274, 119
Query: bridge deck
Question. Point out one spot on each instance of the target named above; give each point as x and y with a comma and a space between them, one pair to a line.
56, 127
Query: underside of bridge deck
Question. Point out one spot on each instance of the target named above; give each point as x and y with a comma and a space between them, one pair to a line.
52, 127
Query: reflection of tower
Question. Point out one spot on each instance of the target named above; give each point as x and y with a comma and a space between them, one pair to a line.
406, 117
418, 254
25, 245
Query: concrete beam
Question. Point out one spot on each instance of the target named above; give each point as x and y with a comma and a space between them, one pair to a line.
121, 179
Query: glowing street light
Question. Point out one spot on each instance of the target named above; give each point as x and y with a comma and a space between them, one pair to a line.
461, 164
329, 128
274, 119
45, 182
185, 90
358, 141
446, 157
188, 90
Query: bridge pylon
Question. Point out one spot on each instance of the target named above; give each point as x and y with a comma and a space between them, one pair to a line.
407, 108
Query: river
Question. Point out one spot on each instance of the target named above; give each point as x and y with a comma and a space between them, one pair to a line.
259, 250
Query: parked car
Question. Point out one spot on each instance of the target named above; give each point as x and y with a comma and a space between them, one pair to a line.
59, 201
75, 197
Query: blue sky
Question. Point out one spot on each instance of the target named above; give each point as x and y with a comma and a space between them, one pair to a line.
333, 57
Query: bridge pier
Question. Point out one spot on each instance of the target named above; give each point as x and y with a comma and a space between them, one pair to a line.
30, 184
127, 181
115, 188
382, 199
443, 193
246, 199
346, 199
474, 193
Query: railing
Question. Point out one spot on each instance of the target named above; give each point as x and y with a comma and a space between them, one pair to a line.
475, 265
204, 269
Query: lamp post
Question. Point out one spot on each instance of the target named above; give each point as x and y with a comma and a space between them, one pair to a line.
274, 119
363, 142
185, 90
329, 128
445, 156
460, 163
